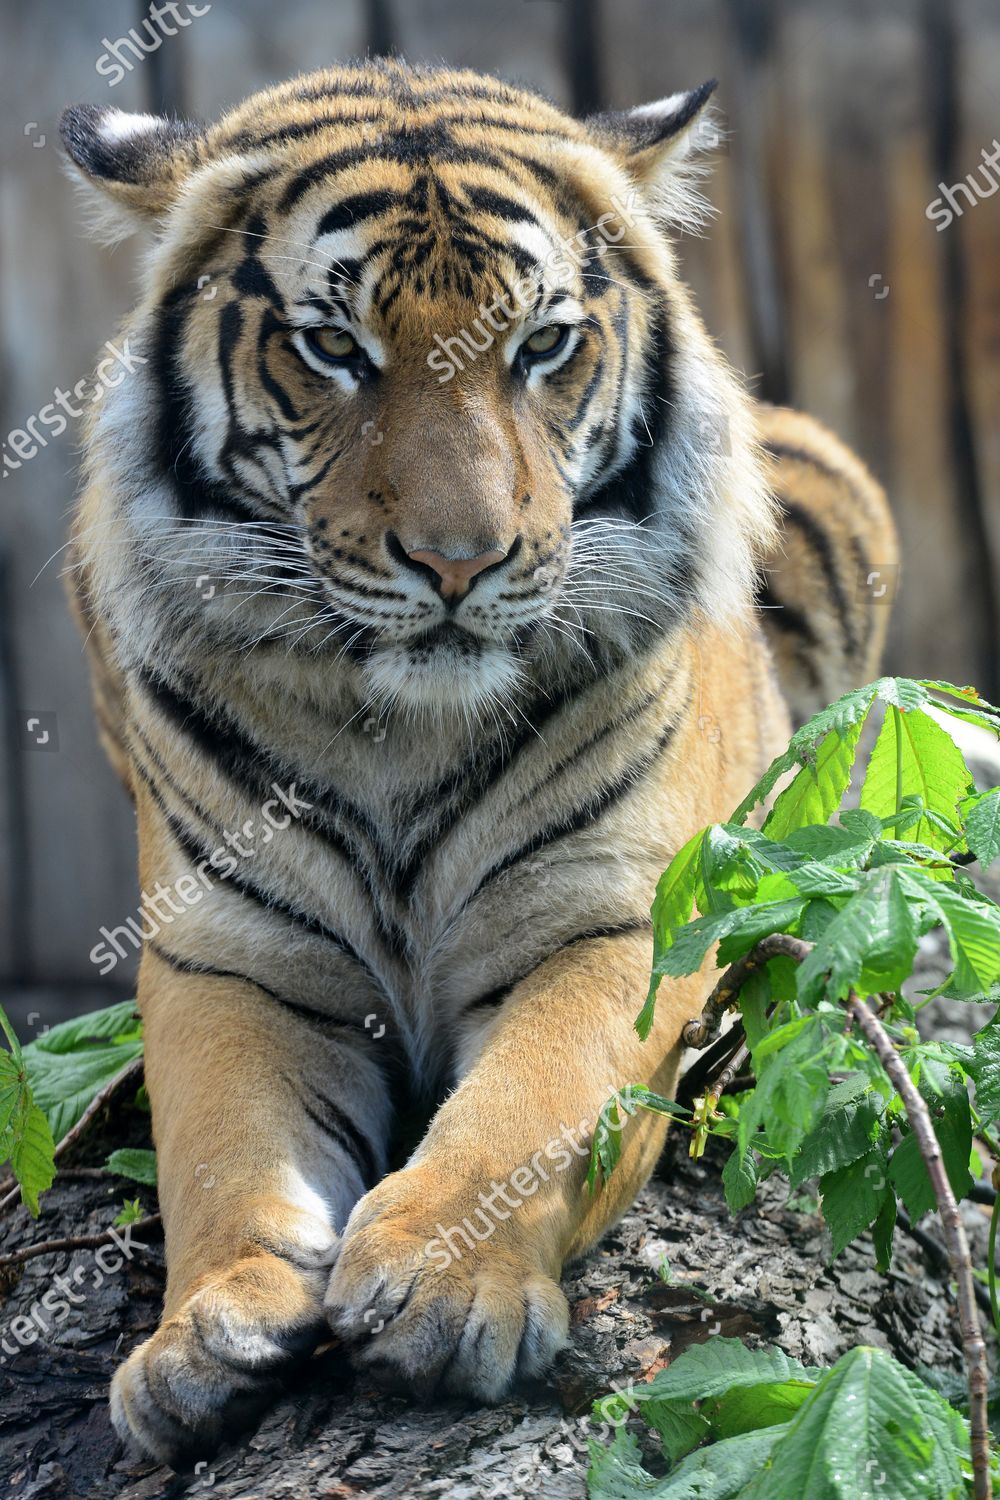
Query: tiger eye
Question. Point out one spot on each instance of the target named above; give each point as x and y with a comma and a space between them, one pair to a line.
545, 339
335, 343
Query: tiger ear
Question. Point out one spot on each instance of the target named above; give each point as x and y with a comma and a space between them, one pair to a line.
131, 167
659, 145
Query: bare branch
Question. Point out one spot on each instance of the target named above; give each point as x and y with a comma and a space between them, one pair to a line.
705, 1028
74, 1242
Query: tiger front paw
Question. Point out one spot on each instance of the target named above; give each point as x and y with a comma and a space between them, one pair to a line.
213, 1364
427, 1313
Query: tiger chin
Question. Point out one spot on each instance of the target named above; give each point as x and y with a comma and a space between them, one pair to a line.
430, 506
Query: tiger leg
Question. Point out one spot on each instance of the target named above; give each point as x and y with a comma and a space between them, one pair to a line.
256, 1176
459, 1254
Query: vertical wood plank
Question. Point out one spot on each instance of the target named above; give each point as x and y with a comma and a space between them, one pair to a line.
866, 295
60, 298
653, 49
523, 41
978, 130
241, 46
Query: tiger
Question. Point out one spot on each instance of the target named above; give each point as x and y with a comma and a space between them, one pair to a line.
440, 579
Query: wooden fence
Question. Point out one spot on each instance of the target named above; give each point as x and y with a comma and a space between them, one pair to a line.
822, 277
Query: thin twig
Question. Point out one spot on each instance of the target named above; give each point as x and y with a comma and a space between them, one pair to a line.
76, 1242
132, 1070
705, 1028
958, 1246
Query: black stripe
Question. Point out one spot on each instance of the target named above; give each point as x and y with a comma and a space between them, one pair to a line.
784, 617
338, 1124
499, 205
294, 1007
587, 814
197, 854
819, 540
350, 211
803, 456
254, 767
503, 991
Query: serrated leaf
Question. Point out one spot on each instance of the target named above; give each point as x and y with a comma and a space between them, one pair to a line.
133, 1162
869, 1428
32, 1155
853, 1196
792, 1086
738, 930
983, 1068
845, 1132
945, 1094
672, 906
751, 1408
871, 938
882, 1232
83, 1031
982, 828
740, 1178
72, 1062
816, 792
973, 930
720, 1471
717, 1366
839, 717
915, 757
25, 1138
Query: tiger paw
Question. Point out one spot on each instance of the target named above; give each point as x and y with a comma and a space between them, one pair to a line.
427, 1313
213, 1364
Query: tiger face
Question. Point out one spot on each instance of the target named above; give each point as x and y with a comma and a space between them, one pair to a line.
444, 410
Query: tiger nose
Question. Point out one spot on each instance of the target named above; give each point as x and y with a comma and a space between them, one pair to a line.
455, 573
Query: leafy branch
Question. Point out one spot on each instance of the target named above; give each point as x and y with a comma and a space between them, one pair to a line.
813, 914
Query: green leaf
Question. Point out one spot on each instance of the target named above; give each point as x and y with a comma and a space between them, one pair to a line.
973, 930
130, 1213
25, 1138
882, 1232
131, 1161
716, 1367
849, 710
945, 1093
869, 1428
846, 1130
868, 946
817, 790
70, 1064
984, 1069
972, 710
914, 756
740, 1178
982, 828
853, 1197
32, 1156
792, 1086
741, 927
672, 907
750, 1408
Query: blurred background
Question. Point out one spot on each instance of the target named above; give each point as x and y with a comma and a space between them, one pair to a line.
852, 269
